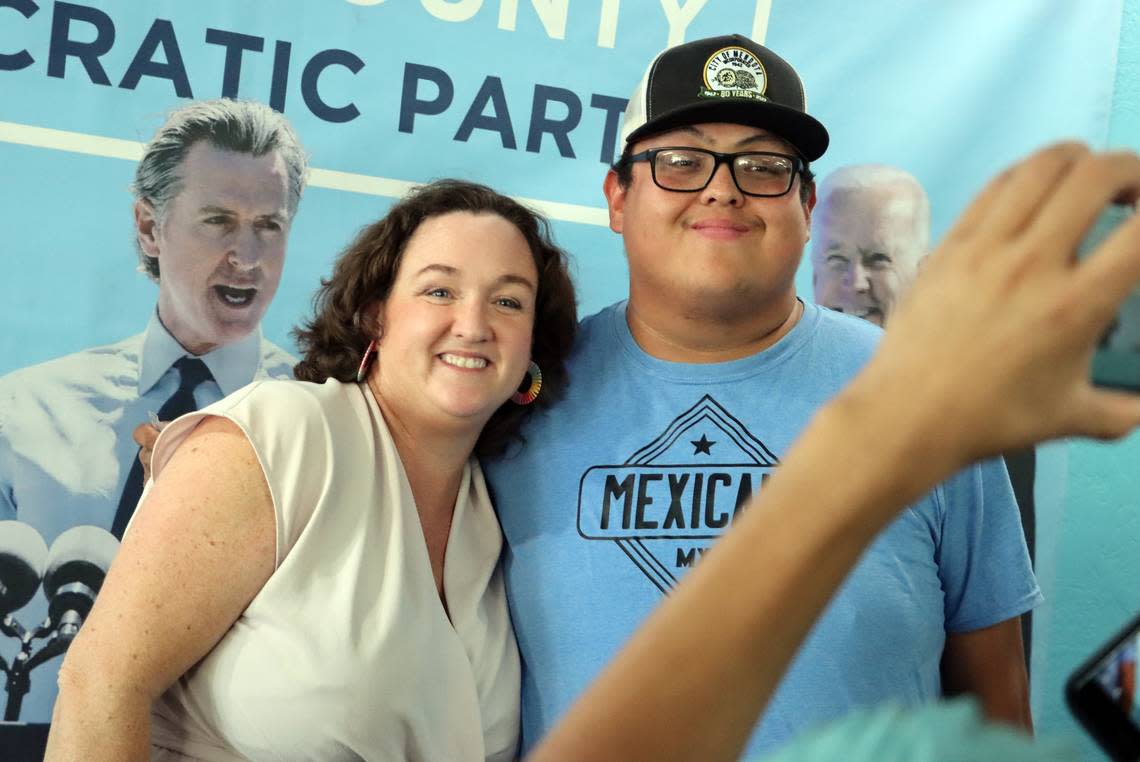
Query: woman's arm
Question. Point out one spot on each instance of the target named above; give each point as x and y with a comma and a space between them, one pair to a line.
989, 352
201, 545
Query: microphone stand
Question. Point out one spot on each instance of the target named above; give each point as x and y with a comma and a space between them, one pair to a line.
76, 597
71, 576
19, 680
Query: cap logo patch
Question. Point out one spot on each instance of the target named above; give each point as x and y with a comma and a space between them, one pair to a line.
734, 73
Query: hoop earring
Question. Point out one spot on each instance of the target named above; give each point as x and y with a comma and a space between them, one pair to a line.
531, 394
362, 371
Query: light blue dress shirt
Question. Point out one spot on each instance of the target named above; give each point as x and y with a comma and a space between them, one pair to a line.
66, 443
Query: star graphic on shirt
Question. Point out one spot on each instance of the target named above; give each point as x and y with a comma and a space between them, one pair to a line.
704, 444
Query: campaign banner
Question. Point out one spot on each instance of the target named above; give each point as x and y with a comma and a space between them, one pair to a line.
524, 95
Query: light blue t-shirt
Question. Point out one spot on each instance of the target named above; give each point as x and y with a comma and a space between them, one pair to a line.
625, 482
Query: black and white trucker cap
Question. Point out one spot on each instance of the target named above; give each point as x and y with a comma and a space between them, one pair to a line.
723, 79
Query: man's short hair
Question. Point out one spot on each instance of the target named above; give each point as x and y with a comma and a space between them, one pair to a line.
244, 127
853, 180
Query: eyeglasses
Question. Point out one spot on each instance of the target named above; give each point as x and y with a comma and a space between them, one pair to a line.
688, 170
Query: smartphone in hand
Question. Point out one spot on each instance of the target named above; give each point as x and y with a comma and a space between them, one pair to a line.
1116, 362
1103, 694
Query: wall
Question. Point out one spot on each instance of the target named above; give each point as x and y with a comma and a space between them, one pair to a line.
1096, 487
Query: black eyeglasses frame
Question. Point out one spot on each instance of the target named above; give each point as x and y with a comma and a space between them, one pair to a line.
650, 155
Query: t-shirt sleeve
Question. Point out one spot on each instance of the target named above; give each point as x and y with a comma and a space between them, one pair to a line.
983, 562
278, 418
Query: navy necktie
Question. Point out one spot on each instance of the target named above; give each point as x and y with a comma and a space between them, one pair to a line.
191, 373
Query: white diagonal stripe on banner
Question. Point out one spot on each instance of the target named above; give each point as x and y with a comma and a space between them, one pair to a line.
75, 142
131, 150
354, 183
760, 20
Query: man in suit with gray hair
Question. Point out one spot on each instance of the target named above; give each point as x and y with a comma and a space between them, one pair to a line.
215, 193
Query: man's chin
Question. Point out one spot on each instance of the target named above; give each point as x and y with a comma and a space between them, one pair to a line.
228, 328
870, 314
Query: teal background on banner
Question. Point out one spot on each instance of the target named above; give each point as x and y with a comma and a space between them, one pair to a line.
950, 92
1090, 493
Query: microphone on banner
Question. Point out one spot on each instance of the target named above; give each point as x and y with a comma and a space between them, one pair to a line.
73, 572
23, 555
76, 566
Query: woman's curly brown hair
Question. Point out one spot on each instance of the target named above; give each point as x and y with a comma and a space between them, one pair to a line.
334, 340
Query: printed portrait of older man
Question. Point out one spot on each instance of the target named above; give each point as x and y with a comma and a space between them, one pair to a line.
870, 229
215, 193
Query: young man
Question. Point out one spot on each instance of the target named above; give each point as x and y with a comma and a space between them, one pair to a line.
684, 398
215, 194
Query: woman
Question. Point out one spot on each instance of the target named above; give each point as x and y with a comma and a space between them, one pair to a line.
283, 590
